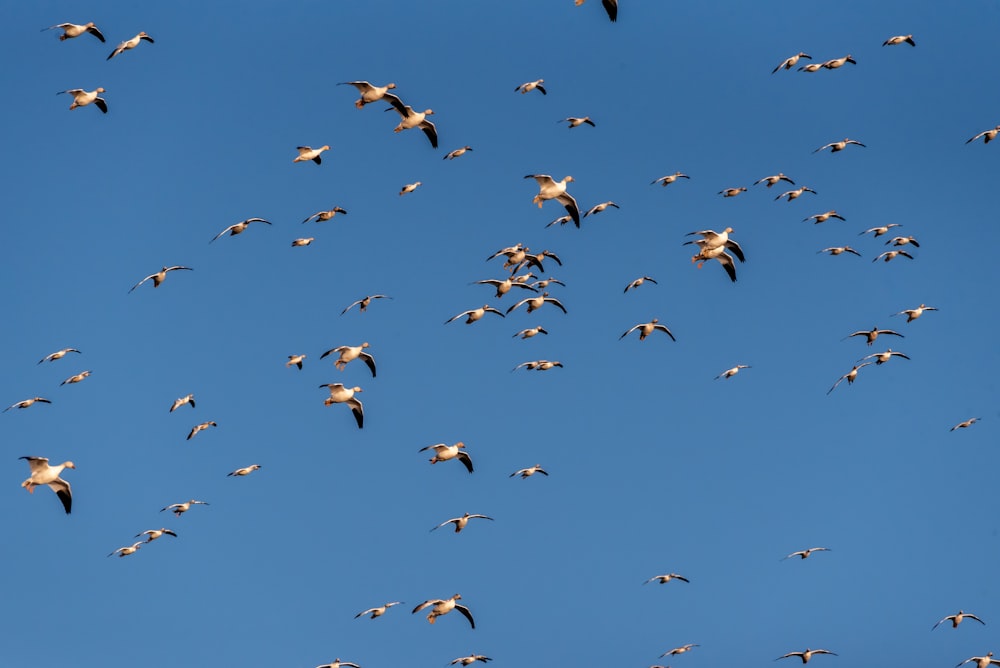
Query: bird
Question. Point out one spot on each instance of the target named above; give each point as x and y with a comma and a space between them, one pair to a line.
339, 394
561, 220
575, 122
302, 242
957, 618
159, 276
982, 661
504, 286
364, 303
351, 353
837, 62
804, 554
899, 39
443, 453
849, 377
413, 119
76, 379
679, 650
914, 313
639, 281
43, 474
337, 663
81, 98
647, 328
534, 261
538, 365
457, 152
729, 373
872, 334
475, 314
535, 303
879, 231
530, 86
987, 135
58, 355
369, 93
443, 607
27, 402
665, 578
295, 360
461, 522
307, 153
237, 228
528, 472
772, 180
472, 658
807, 654
130, 44
246, 470
409, 187
378, 611
71, 30
838, 250
125, 551
789, 63
181, 508
323, 216
188, 399
811, 67
530, 332
153, 534
549, 188
966, 424
669, 178
793, 194
823, 217
732, 192
902, 241
597, 208
712, 239
719, 253
200, 427
839, 145
889, 255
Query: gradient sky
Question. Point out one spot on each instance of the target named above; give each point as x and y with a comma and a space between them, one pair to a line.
655, 466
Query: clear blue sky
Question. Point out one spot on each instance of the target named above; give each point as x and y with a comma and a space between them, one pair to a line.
655, 467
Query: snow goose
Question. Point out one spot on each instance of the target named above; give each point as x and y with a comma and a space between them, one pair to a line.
981, 661
669, 178
378, 611
457, 152
838, 62
665, 578
987, 135
461, 522
647, 328
302, 242
902, 241
806, 654
538, 365
790, 62
238, 228
533, 261
307, 153
530, 86
549, 188
199, 428
838, 250
472, 658
530, 332
181, 508
957, 618
597, 208
337, 663
811, 67
804, 554
772, 180
413, 119
680, 650
443, 607
339, 394
81, 98
528, 472
879, 231
409, 187
27, 402
729, 373
535, 303
246, 470
561, 220
159, 276
823, 217
712, 239
153, 534
889, 255
575, 122
850, 377
351, 353
71, 30
475, 314
443, 453
364, 303
899, 39
839, 145
76, 379
961, 425
130, 44
503, 286
295, 360
125, 551
793, 194
43, 474
188, 399
639, 281
872, 334
914, 313
369, 93
732, 192
58, 355
719, 254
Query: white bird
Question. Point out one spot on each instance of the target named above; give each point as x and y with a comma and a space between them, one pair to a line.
772, 180
443, 453
793, 194
711, 238
549, 188
789, 63
729, 373
461, 522
364, 303
71, 30
76, 379
413, 119
804, 554
153, 534
889, 255
719, 253
457, 152
807, 654
181, 508
535, 303
295, 360
27, 402
850, 376
200, 427
823, 217
879, 231
337, 663
159, 276
188, 399
307, 153
732, 192
680, 650
957, 618
987, 135
369, 93
130, 44
530, 332
528, 472
883, 357
838, 62
902, 241
339, 394
561, 220
669, 178
503, 286
838, 250
665, 578
125, 551
302, 242
811, 67
43, 474
58, 355
538, 365
981, 661
472, 658
81, 98
475, 314
530, 86
639, 281
839, 145
899, 39
914, 313
872, 334
575, 122
377, 612
323, 216
409, 187
443, 607
238, 228
965, 425
246, 470
647, 328
600, 207
351, 353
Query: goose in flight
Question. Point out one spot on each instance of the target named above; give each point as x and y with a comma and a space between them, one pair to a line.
839, 145
58, 355
793, 194
181, 508
43, 474
914, 313
364, 303
378, 611
561, 220
665, 578
323, 216
528, 472
530, 332
850, 376
295, 360
729, 373
337, 663
879, 231
307, 153
76, 379
772, 180
957, 618
818, 218
443, 453
711, 238
188, 399
302, 242
351, 353
899, 39
987, 135
24, 403
902, 241
246, 470
889, 255
200, 427
535, 303
369, 93
409, 187
533, 261
125, 551
872, 334
238, 228
530, 86
732, 192
413, 119
838, 250
639, 281
597, 208
503, 286
81, 98
647, 328
71, 30
982, 661
575, 122
130, 44
443, 607
669, 178
789, 63
340, 394
549, 188
538, 365
965, 425
679, 650
838, 62
472, 658
159, 276
811, 67
475, 314
153, 534
806, 654
804, 554
461, 522
457, 152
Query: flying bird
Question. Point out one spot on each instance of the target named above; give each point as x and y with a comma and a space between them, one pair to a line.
27, 402
793, 194
772, 180
850, 376
472, 658
43, 474
807, 654
323, 216
597, 208
804, 554
732, 192
413, 119
58, 355
246, 470
307, 153
889, 255
679, 650
130, 44
475, 314
838, 250
811, 67
377, 612
647, 328
965, 425
295, 360
159, 276
461, 522
81, 98
987, 135
535, 303
899, 39
351, 353
302, 242
957, 618
538, 365
340, 394
639, 281
457, 152
669, 178
504, 286
528, 472
667, 577
729, 373
364, 303
125, 551
369, 93
181, 508
549, 188
337, 663
838, 62
879, 231
76, 379
153, 534
981, 661
443, 607
530, 86
902, 241
188, 399
839, 145
71, 30
575, 122
789, 63
238, 228
200, 427
914, 313
530, 332
443, 453
872, 334
823, 217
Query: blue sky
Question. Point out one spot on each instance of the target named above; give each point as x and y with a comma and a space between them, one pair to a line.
655, 467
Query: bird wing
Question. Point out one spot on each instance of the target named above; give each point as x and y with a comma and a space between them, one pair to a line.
370, 361
397, 104
62, 490
433, 601
461, 608
431, 131
629, 331
141, 282
572, 209
467, 460
224, 231
553, 300
663, 328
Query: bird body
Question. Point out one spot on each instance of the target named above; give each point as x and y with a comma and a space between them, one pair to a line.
914, 313
549, 188
530, 86
199, 428
600, 207
443, 607
246, 470
790, 62
647, 328
307, 153
153, 534
27, 402
130, 44
238, 228
349, 354
188, 399
957, 618
839, 145
667, 577
839, 250
58, 355
804, 554
772, 180
71, 30
535, 303
575, 122
443, 453
413, 119
807, 654
670, 178
44, 474
457, 152
639, 281
159, 276
899, 39
377, 611
76, 379
369, 92
364, 303
295, 360
850, 377
125, 551
987, 135
966, 424
339, 394
729, 373
81, 98
409, 187
461, 522
839, 62
823, 217
475, 314
528, 472
181, 508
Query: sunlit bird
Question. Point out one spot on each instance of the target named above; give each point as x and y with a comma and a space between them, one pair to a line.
474, 314
443, 607
839, 145
823, 217
413, 119
58, 355
530, 86
340, 394
883, 357
914, 313
804, 554
528, 472
181, 508
461, 522
987, 135
364, 303
665, 578
669, 178
71, 30
981, 661
43, 474
457, 153
790, 62
729, 373
839, 250
872, 334
76, 378
81, 98
850, 377
443, 453
639, 281
472, 658
199, 428
680, 650
125, 551
966, 424
369, 92
409, 187
806, 654
245, 471
295, 360
377, 611
238, 228
24, 403
187, 399
323, 216
349, 354
549, 188
530, 332
153, 534
957, 618
159, 276
647, 328
307, 153
899, 39
130, 44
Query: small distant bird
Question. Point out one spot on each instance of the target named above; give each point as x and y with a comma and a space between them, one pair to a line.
889, 255
679, 650
349, 354
369, 93
413, 119
27, 402
307, 153
364, 303
81, 98
504, 286
838, 250
530, 332
664, 579
902, 241
575, 122
181, 508
159, 276
76, 379
600, 207
883, 357
965, 425
987, 135
528, 472
246, 470
823, 217
153, 534
561, 220
189, 399
804, 554
340, 394
872, 334
238, 228
806, 655
729, 373
443, 453
811, 67
125, 551
732, 192
538, 365
530, 86
647, 328
839, 145
409, 187
43, 474
899, 39
472, 658
789, 63
200, 427
58, 355
71, 30
957, 618
982, 661
443, 607
549, 188
879, 231
475, 314
914, 313
639, 281
295, 360
535, 303
377, 612
130, 44
772, 180
837, 62
303, 242
323, 216
337, 663
850, 376
461, 522
457, 152
670, 178
793, 194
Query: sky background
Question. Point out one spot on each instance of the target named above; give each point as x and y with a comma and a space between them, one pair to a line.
655, 466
